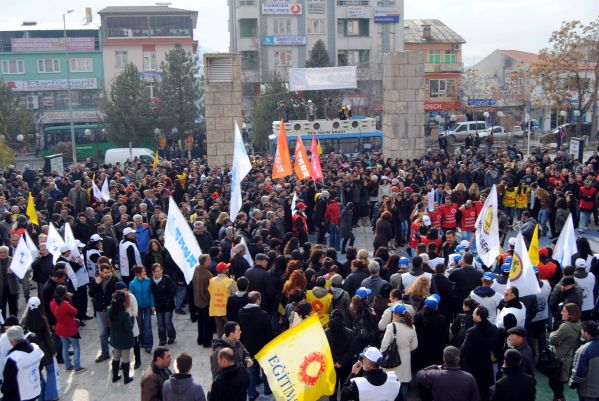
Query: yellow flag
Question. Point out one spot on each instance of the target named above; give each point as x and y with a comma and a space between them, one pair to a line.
533, 249
298, 363
30, 211
319, 148
155, 164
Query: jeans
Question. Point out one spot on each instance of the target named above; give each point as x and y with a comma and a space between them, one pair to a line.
180, 296
165, 326
585, 218
254, 372
334, 239
66, 341
144, 321
489, 148
404, 230
102, 324
544, 215
48, 383
509, 212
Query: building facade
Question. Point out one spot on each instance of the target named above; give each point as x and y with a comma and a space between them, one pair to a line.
276, 35
143, 35
443, 66
36, 65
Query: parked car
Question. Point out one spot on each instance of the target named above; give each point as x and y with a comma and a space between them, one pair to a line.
585, 129
459, 131
121, 155
500, 133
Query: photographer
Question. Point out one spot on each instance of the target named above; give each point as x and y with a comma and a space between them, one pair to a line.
368, 380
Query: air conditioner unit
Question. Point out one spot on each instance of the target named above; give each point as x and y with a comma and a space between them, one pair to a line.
33, 103
457, 47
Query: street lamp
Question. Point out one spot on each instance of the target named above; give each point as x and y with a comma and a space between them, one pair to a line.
20, 139
68, 63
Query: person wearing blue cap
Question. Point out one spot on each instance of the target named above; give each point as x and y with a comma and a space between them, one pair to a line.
486, 296
500, 283
432, 329
401, 330
417, 271
363, 318
465, 279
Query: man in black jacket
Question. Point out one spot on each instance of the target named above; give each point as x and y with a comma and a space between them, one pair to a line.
231, 384
239, 265
100, 291
369, 379
256, 332
515, 384
466, 279
261, 280
164, 290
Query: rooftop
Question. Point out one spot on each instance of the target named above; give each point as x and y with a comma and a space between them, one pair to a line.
440, 33
57, 26
144, 10
523, 57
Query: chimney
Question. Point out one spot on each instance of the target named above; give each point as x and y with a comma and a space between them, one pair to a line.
426, 32
88, 15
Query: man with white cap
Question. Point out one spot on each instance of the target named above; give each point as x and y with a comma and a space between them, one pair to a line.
368, 381
588, 285
486, 296
129, 255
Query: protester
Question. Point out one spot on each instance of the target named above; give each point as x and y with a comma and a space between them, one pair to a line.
164, 291
515, 385
232, 383
100, 291
585, 366
141, 288
231, 339
154, 376
21, 379
180, 386
121, 337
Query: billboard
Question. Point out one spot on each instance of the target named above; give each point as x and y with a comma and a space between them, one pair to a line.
281, 9
283, 40
301, 79
52, 44
52, 84
386, 15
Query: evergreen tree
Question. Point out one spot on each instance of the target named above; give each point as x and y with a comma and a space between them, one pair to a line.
179, 91
14, 117
319, 57
126, 109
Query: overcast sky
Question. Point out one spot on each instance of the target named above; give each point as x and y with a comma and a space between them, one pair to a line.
485, 24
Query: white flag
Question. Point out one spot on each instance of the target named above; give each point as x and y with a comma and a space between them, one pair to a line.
487, 230
247, 255
96, 191
69, 239
21, 260
565, 246
293, 201
522, 275
31, 245
180, 241
54, 242
241, 168
105, 191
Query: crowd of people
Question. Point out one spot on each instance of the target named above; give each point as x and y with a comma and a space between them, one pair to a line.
292, 252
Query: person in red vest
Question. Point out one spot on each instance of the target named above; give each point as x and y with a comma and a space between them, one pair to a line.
436, 217
478, 205
449, 212
467, 220
586, 205
300, 223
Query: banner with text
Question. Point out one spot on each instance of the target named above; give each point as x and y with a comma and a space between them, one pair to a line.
303, 79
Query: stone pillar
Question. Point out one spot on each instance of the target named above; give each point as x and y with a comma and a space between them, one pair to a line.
223, 105
403, 104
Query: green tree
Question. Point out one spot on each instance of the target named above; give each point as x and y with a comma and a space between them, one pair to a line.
319, 56
265, 110
7, 155
179, 91
14, 117
126, 109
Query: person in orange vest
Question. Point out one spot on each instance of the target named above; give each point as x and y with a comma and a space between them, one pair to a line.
468, 220
509, 202
321, 299
300, 223
220, 288
449, 212
586, 204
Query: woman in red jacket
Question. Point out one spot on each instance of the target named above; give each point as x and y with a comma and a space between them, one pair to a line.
66, 327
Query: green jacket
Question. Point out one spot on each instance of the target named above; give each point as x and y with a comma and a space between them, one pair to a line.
121, 330
565, 341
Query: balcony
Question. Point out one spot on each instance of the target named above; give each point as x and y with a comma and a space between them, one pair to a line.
457, 67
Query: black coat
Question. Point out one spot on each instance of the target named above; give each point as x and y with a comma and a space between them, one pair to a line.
515, 385
109, 247
234, 305
432, 330
42, 266
230, 384
164, 294
256, 329
444, 288
262, 281
480, 341
353, 282
238, 266
101, 298
466, 279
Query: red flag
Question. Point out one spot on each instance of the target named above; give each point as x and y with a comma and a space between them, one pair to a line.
315, 161
302, 163
282, 164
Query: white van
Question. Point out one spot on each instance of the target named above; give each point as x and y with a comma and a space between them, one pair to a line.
459, 131
122, 155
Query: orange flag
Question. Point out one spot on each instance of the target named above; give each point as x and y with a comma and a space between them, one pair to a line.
302, 163
315, 161
282, 165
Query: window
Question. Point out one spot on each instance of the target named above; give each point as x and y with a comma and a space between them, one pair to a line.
450, 57
120, 59
434, 56
353, 27
13, 67
441, 87
359, 58
249, 60
47, 65
247, 2
150, 89
282, 58
248, 28
149, 61
317, 25
281, 26
81, 64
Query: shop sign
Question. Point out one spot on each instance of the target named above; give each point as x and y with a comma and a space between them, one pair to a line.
281, 9
284, 40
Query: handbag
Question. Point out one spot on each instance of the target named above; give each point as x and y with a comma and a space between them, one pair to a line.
391, 358
549, 364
